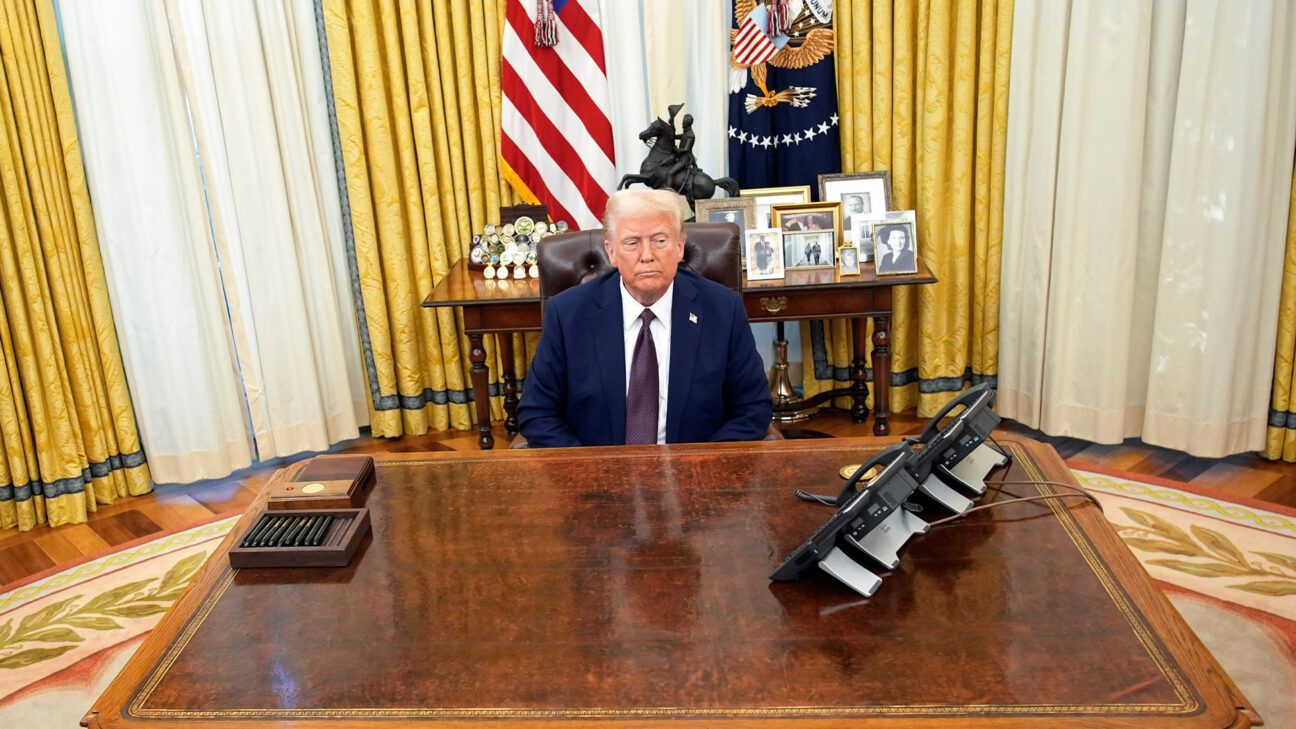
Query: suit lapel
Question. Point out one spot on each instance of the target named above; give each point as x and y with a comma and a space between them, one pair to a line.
608, 333
685, 335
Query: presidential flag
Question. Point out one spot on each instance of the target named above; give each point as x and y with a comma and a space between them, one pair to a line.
783, 123
556, 136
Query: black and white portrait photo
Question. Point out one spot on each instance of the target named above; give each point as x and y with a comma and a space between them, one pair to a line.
895, 248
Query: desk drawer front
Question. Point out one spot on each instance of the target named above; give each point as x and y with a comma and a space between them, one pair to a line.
773, 306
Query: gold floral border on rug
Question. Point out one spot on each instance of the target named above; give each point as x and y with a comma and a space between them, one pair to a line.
1202, 551
55, 629
115, 560
66, 624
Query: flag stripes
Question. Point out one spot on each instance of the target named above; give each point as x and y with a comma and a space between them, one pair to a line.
752, 45
557, 142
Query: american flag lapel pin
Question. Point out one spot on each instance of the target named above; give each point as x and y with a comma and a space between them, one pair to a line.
692, 318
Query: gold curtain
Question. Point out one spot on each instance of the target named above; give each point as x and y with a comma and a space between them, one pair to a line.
1281, 437
67, 432
416, 87
922, 88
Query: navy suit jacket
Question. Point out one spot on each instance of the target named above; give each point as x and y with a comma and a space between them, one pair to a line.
575, 391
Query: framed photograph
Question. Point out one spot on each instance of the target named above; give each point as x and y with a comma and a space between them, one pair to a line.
737, 210
896, 247
865, 198
848, 261
810, 233
767, 197
763, 248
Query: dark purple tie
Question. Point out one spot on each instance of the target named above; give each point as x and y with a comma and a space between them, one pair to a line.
641, 397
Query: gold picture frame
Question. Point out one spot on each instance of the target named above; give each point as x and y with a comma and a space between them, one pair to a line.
811, 232
848, 260
767, 197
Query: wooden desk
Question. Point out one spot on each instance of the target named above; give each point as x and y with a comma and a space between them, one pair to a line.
627, 587
501, 307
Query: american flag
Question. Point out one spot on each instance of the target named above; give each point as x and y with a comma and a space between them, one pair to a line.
556, 137
752, 46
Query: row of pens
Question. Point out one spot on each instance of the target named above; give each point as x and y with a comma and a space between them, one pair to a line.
293, 530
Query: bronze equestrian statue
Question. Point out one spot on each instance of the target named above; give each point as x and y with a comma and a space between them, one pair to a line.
670, 163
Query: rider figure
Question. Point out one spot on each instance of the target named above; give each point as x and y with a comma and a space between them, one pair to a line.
684, 159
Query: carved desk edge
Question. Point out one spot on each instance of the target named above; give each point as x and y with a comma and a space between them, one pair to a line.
1207, 674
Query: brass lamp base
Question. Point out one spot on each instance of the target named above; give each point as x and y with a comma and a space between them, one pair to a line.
781, 391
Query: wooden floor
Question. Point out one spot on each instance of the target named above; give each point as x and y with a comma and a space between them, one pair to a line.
172, 508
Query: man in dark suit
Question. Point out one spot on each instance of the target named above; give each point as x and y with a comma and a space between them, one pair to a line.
648, 353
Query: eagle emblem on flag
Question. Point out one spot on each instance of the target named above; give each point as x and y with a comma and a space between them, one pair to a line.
806, 40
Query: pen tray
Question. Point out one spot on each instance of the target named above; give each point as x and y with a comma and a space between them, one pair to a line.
338, 545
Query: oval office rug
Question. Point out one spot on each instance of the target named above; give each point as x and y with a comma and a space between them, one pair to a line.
1228, 566
65, 634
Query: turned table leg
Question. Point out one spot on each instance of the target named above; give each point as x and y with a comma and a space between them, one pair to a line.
505, 340
859, 372
481, 391
881, 374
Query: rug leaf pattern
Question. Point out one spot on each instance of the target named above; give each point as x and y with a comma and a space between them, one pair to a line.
35, 637
1219, 556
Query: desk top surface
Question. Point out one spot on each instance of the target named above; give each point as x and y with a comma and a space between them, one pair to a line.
464, 286
629, 586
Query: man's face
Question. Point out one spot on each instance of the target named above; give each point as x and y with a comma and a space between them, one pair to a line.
896, 239
856, 204
646, 251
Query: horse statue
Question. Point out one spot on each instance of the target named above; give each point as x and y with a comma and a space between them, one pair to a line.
670, 163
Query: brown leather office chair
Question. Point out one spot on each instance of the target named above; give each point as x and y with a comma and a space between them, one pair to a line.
710, 250
566, 260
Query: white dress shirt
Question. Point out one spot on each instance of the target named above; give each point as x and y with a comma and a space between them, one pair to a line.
661, 328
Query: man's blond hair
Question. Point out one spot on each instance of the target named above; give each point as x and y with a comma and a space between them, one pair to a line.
642, 203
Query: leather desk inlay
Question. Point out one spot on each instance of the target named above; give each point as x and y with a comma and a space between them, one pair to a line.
605, 586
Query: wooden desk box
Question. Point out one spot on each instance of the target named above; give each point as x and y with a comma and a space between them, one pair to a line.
325, 482
336, 551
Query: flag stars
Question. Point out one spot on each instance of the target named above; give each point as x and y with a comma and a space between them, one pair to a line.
733, 133
834, 119
787, 139
823, 128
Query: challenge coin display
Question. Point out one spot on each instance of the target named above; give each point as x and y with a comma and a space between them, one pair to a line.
507, 250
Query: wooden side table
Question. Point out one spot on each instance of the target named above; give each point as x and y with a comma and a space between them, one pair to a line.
502, 307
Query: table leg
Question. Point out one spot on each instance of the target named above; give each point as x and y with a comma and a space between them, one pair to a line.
481, 391
505, 340
881, 374
859, 371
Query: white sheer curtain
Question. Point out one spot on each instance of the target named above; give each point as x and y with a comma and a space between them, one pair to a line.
237, 328
663, 52
1149, 164
152, 225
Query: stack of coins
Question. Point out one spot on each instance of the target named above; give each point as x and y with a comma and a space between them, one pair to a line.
289, 530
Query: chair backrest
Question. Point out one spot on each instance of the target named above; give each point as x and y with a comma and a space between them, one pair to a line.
710, 250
